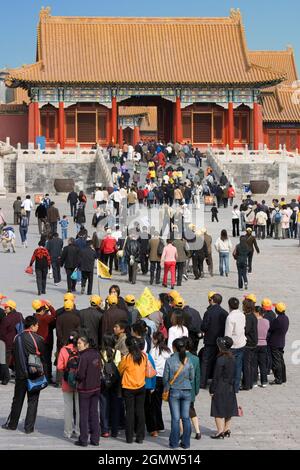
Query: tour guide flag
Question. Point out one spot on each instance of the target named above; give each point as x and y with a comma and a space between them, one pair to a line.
147, 303
102, 270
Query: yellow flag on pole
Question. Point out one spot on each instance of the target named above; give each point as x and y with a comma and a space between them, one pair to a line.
103, 271
147, 303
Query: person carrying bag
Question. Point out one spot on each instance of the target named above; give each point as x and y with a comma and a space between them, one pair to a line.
28, 355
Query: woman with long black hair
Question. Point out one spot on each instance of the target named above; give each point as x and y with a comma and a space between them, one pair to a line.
160, 353
178, 378
133, 372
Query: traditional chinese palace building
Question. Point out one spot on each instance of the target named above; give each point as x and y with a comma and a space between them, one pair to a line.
207, 86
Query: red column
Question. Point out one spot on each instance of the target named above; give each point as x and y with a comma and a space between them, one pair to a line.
136, 135
108, 127
36, 120
178, 120
114, 113
230, 126
225, 129
298, 142
121, 139
61, 125
257, 126
174, 123
31, 138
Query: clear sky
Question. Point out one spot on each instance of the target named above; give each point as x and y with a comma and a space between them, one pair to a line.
270, 24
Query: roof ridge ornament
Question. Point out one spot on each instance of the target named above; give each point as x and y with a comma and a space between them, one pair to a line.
235, 15
45, 13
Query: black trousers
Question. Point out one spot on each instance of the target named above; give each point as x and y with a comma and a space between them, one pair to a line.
155, 266
260, 361
87, 276
278, 365
153, 407
180, 268
197, 260
214, 217
53, 227
56, 271
261, 232
208, 359
248, 368
235, 227
144, 263
41, 280
70, 282
132, 272
48, 360
73, 208
250, 257
108, 259
17, 405
135, 413
195, 338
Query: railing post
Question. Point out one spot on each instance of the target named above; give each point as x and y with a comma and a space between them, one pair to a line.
77, 151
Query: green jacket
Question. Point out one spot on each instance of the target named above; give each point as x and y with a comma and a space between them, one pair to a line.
196, 365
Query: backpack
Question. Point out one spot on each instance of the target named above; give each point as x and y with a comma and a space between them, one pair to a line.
277, 218
110, 373
71, 369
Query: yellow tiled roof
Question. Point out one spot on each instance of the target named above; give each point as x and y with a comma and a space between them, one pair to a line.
144, 50
283, 61
281, 105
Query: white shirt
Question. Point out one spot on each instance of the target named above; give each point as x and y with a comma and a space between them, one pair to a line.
27, 204
223, 245
235, 328
236, 214
261, 218
99, 196
159, 360
176, 332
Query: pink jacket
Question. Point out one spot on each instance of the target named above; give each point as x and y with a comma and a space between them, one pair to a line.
62, 361
169, 254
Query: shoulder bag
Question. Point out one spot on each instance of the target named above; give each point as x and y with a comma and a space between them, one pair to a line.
35, 368
166, 393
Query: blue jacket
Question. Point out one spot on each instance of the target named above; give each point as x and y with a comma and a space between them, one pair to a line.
150, 384
185, 381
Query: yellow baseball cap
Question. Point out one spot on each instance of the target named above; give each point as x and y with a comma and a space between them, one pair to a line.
95, 300
69, 296
112, 299
36, 304
129, 299
178, 302
211, 294
280, 307
251, 297
68, 305
267, 304
173, 294
10, 303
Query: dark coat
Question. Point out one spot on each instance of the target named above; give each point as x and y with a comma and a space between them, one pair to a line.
41, 212
65, 324
8, 328
251, 331
110, 317
277, 331
252, 243
72, 197
55, 246
70, 256
223, 403
213, 324
52, 214
87, 258
90, 319
182, 249
24, 341
89, 372
132, 248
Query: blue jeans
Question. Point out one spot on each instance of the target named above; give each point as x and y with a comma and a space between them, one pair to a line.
23, 234
179, 403
123, 265
239, 356
64, 234
224, 262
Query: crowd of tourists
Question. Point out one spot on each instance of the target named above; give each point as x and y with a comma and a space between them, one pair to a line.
115, 366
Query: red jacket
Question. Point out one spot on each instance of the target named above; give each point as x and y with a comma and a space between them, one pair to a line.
44, 321
108, 245
231, 192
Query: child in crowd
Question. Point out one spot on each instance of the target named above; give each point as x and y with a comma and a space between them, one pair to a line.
64, 223
214, 213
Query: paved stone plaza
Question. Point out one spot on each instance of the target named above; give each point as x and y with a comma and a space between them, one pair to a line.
271, 415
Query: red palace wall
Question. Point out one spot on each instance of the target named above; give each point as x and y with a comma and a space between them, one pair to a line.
15, 127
